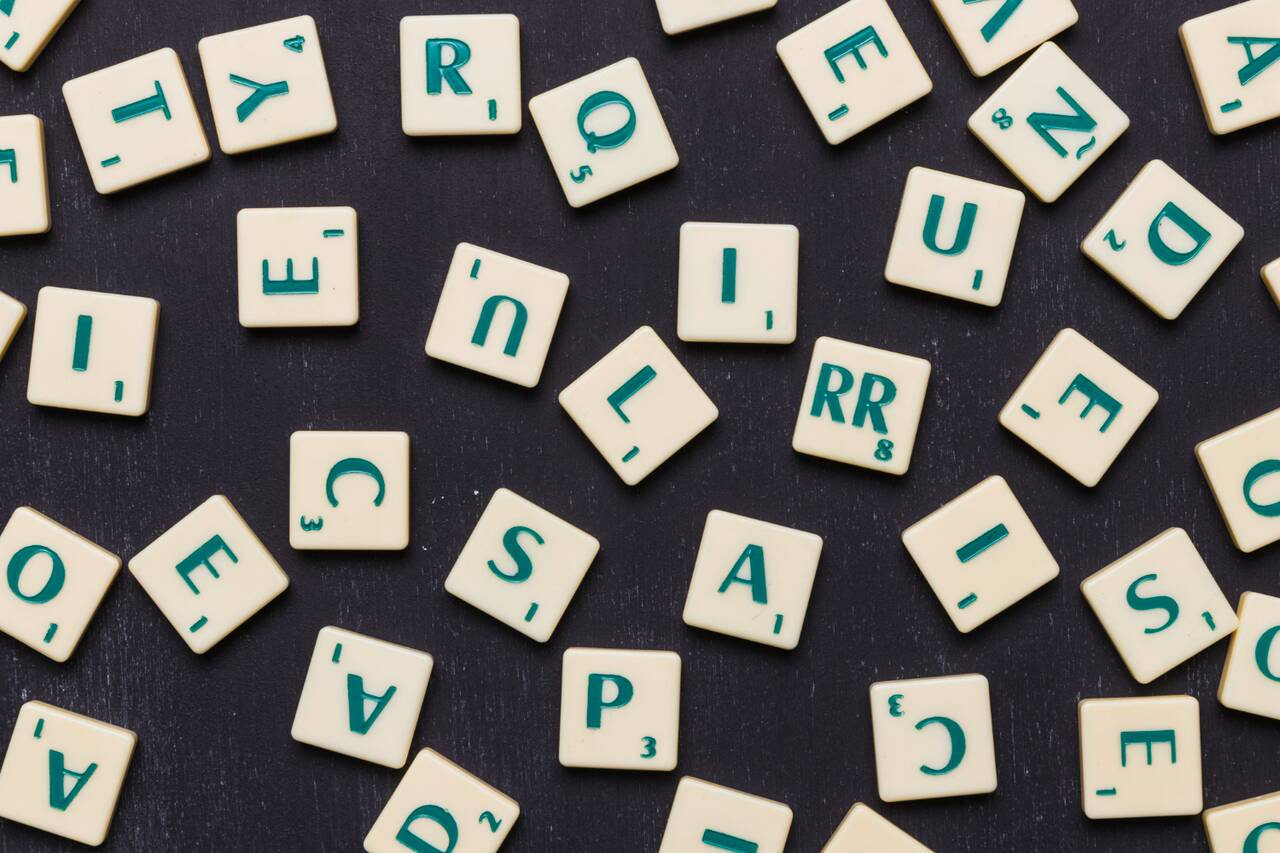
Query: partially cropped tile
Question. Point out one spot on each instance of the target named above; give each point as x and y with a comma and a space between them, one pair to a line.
1244, 826
1234, 54
27, 26
460, 75
1242, 466
1251, 675
864, 831
1271, 278
680, 16
738, 282
706, 817
24, 182
349, 490
12, 313
620, 709
298, 266
991, 35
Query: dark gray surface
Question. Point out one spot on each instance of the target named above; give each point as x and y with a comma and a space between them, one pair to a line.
216, 768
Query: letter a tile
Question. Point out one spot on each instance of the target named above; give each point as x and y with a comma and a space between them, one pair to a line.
1234, 55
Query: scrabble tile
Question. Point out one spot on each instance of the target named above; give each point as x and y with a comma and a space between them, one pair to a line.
497, 315
208, 574
705, 816
136, 121
460, 75
1243, 826
638, 405
1234, 54
990, 36
1251, 675
752, 579
933, 737
854, 67
876, 428
522, 565
24, 184
864, 831
1162, 239
92, 351
440, 806
680, 16
1270, 277
267, 85
1140, 757
603, 132
620, 709
55, 581
954, 236
12, 313
980, 553
298, 266
1240, 465
27, 28
1048, 122
362, 697
738, 283
1078, 406
1159, 605
349, 490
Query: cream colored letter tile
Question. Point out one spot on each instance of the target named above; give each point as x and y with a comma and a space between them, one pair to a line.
1234, 54
55, 581
954, 236
874, 426
1159, 605
752, 579
1241, 466
208, 574
63, 772
1078, 406
620, 709
1048, 122
460, 75
864, 831
497, 315
1162, 239
298, 266
136, 121
738, 283
705, 817
638, 405
440, 806
27, 28
267, 85
349, 490
92, 351
522, 565
991, 35
1247, 826
679, 16
603, 132
1270, 277
362, 697
854, 67
980, 553
933, 737
12, 313
1251, 675
24, 185
1140, 757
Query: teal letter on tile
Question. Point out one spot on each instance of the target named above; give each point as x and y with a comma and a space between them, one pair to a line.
355, 465
958, 745
59, 796
511, 542
1256, 473
1255, 838
992, 27
1154, 602
825, 396
356, 695
1262, 652
869, 406
753, 558
1045, 123
1097, 397
518, 323
437, 815
1193, 229
1148, 739
853, 45
613, 139
440, 72
203, 556
52, 586
964, 231
595, 695
1256, 64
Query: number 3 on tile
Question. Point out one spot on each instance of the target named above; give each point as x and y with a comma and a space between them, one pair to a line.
650, 747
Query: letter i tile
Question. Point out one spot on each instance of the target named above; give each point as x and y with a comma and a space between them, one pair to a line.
864, 831
1234, 54
1247, 826
1251, 676
738, 282
12, 313
709, 817
1242, 466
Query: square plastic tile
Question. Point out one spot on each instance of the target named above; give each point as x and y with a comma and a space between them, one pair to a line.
638, 405
872, 428
92, 351
738, 283
1251, 675
362, 697
12, 313
1159, 605
349, 490
497, 315
752, 579
298, 266
954, 236
705, 816
1240, 465
980, 553
1162, 239
854, 67
620, 709
460, 75
63, 772
991, 35
603, 132
864, 831
208, 574
24, 183
440, 806
28, 27
1243, 826
522, 565
679, 16
1140, 757
1234, 54
933, 737
267, 85
1078, 406
136, 121
1270, 277
1048, 122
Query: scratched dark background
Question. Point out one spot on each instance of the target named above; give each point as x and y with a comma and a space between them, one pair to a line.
216, 768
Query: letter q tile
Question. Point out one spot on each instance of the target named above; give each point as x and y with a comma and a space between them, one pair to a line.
298, 266
738, 283
27, 28
24, 181
864, 831
1251, 675
1247, 826
460, 75
705, 816
1234, 55
349, 490
12, 313
1242, 466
